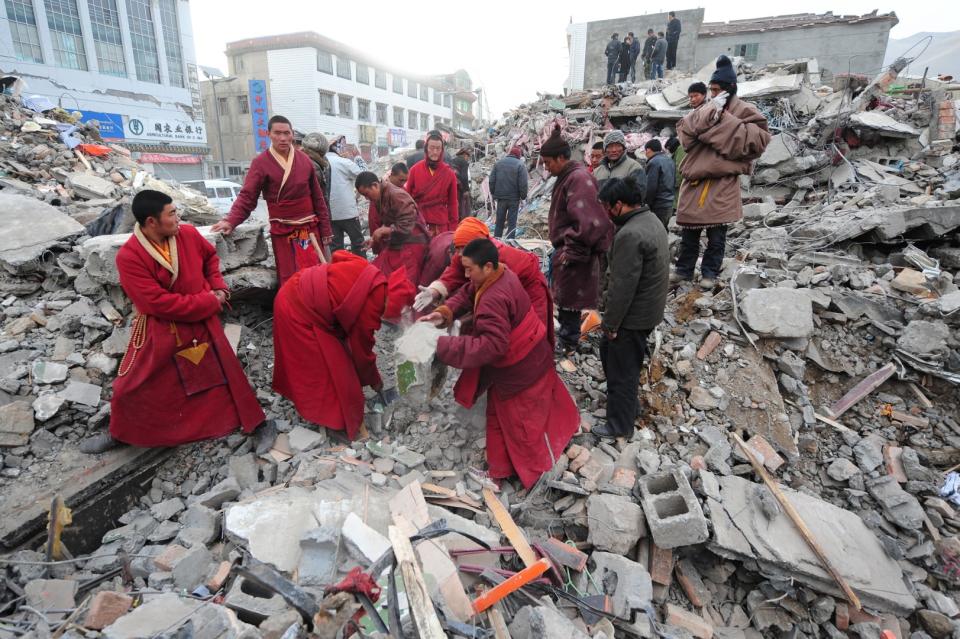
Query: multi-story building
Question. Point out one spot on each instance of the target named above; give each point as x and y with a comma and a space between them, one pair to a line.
323, 85
129, 64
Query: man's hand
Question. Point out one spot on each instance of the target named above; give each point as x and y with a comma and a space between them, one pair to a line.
380, 234
222, 227
611, 335
434, 318
221, 297
424, 299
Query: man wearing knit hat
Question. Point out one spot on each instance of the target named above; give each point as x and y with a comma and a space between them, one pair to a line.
524, 264
580, 233
616, 162
722, 139
508, 185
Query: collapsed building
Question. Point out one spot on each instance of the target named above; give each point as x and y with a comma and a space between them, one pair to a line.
825, 366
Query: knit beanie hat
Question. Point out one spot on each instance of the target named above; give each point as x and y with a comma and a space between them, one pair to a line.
555, 144
316, 142
614, 137
468, 230
725, 72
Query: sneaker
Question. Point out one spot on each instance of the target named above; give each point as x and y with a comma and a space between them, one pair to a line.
707, 283
676, 278
604, 430
99, 443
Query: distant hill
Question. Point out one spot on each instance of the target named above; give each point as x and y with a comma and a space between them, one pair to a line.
942, 56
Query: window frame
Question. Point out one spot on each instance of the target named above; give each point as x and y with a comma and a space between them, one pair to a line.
363, 74
66, 34
398, 84
107, 37
380, 79
332, 108
382, 108
340, 102
361, 103
329, 58
243, 104
344, 68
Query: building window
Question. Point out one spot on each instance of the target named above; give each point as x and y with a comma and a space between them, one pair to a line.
397, 84
447, 100
412, 120
235, 171
363, 73
105, 26
243, 104
326, 103
436, 97
238, 63
747, 51
64, 22
397, 116
324, 62
424, 122
363, 110
23, 28
380, 79
223, 107
171, 42
143, 40
381, 113
424, 93
411, 88
345, 106
343, 68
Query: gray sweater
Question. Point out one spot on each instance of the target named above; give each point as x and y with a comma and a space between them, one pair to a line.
639, 270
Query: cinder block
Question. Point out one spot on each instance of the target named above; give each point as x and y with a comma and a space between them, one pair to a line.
673, 513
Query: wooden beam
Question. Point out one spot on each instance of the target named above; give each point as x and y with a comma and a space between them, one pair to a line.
418, 597
869, 384
510, 528
498, 624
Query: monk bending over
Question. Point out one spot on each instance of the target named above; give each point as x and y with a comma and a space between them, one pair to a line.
530, 415
179, 380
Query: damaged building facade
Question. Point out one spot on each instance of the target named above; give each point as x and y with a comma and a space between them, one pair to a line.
841, 43
128, 64
326, 86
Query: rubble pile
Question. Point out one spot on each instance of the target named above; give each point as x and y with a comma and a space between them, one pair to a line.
792, 476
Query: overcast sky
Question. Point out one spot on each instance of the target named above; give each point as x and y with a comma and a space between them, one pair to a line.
511, 48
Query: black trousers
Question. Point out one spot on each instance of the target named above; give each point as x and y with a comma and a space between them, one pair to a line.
672, 53
663, 214
690, 251
351, 228
569, 333
507, 211
611, 69
622, 360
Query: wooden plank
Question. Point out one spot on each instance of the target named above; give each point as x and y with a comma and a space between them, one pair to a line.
794, 516
510, 528
869, 384
498, 624
926, 403
421, 607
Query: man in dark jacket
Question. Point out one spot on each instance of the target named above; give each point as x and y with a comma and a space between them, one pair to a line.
636, 296
647, 52
673, 38
580, 233
508, 185
634, 54
613, 54
661, 181
658, 57
616, 162
623, 61
461, 166
416, 156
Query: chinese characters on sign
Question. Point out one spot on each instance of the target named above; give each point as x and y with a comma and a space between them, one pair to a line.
110, 124
397, 137
258, 113
166, 130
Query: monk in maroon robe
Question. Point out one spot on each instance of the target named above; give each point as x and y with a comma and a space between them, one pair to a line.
299, 218
179, 380
324, 320
530, 414
433, 185
401, 236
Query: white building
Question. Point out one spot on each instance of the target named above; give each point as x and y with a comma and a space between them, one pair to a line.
325, 86
129, 64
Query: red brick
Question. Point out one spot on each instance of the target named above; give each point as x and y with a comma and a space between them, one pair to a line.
859, 616
692, 623
661, 564
580, 460
890, 624
771, 459
166, 560
709, 345
891, 461
624, 477
841, 616
106, 607
574, 451
692, 583
219, 577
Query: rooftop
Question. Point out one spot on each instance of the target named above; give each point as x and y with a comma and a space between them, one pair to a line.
792, 21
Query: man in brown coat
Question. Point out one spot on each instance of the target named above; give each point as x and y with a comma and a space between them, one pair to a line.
580, 232
722, 138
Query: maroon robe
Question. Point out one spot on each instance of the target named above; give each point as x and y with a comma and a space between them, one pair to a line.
407, 243
167, 392
324, 320
438, 258
436, 195
296, 210
508, 356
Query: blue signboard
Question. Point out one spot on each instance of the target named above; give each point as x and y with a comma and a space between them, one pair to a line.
258, 113
111, 124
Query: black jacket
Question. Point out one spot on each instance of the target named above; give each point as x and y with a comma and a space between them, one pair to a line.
661, 181
508, 179
624, 59
638, 273
613, 49
673, 30
461, 166
648, 47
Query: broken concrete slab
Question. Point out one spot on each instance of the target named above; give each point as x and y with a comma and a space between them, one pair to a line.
899, 506
922, 337
82, 393
16, 423
742, 530
52, 597
255, 523
160, 614
616, 523
626, 582
778, 312
91, 187
30, 228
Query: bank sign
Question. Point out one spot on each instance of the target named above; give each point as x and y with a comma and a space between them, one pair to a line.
110, 124
166, 129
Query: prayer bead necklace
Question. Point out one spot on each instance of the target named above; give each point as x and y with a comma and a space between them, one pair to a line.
138, 335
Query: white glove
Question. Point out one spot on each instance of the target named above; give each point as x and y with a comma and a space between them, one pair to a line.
718, 102
424, 299
455, 329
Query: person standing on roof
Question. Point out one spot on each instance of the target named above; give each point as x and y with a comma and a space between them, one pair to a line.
613, 54
623, 61
673, 39
508, 185
647, 53
722, 139
658, 57
634, 54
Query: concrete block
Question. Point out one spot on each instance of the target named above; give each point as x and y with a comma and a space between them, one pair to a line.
778, 312
616, 523
90, 186
30, 228
245, 470
363, 541
673, 512
319, 556
626, 582
16, 423
254, 603
225, 491
107, 606
201, 526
